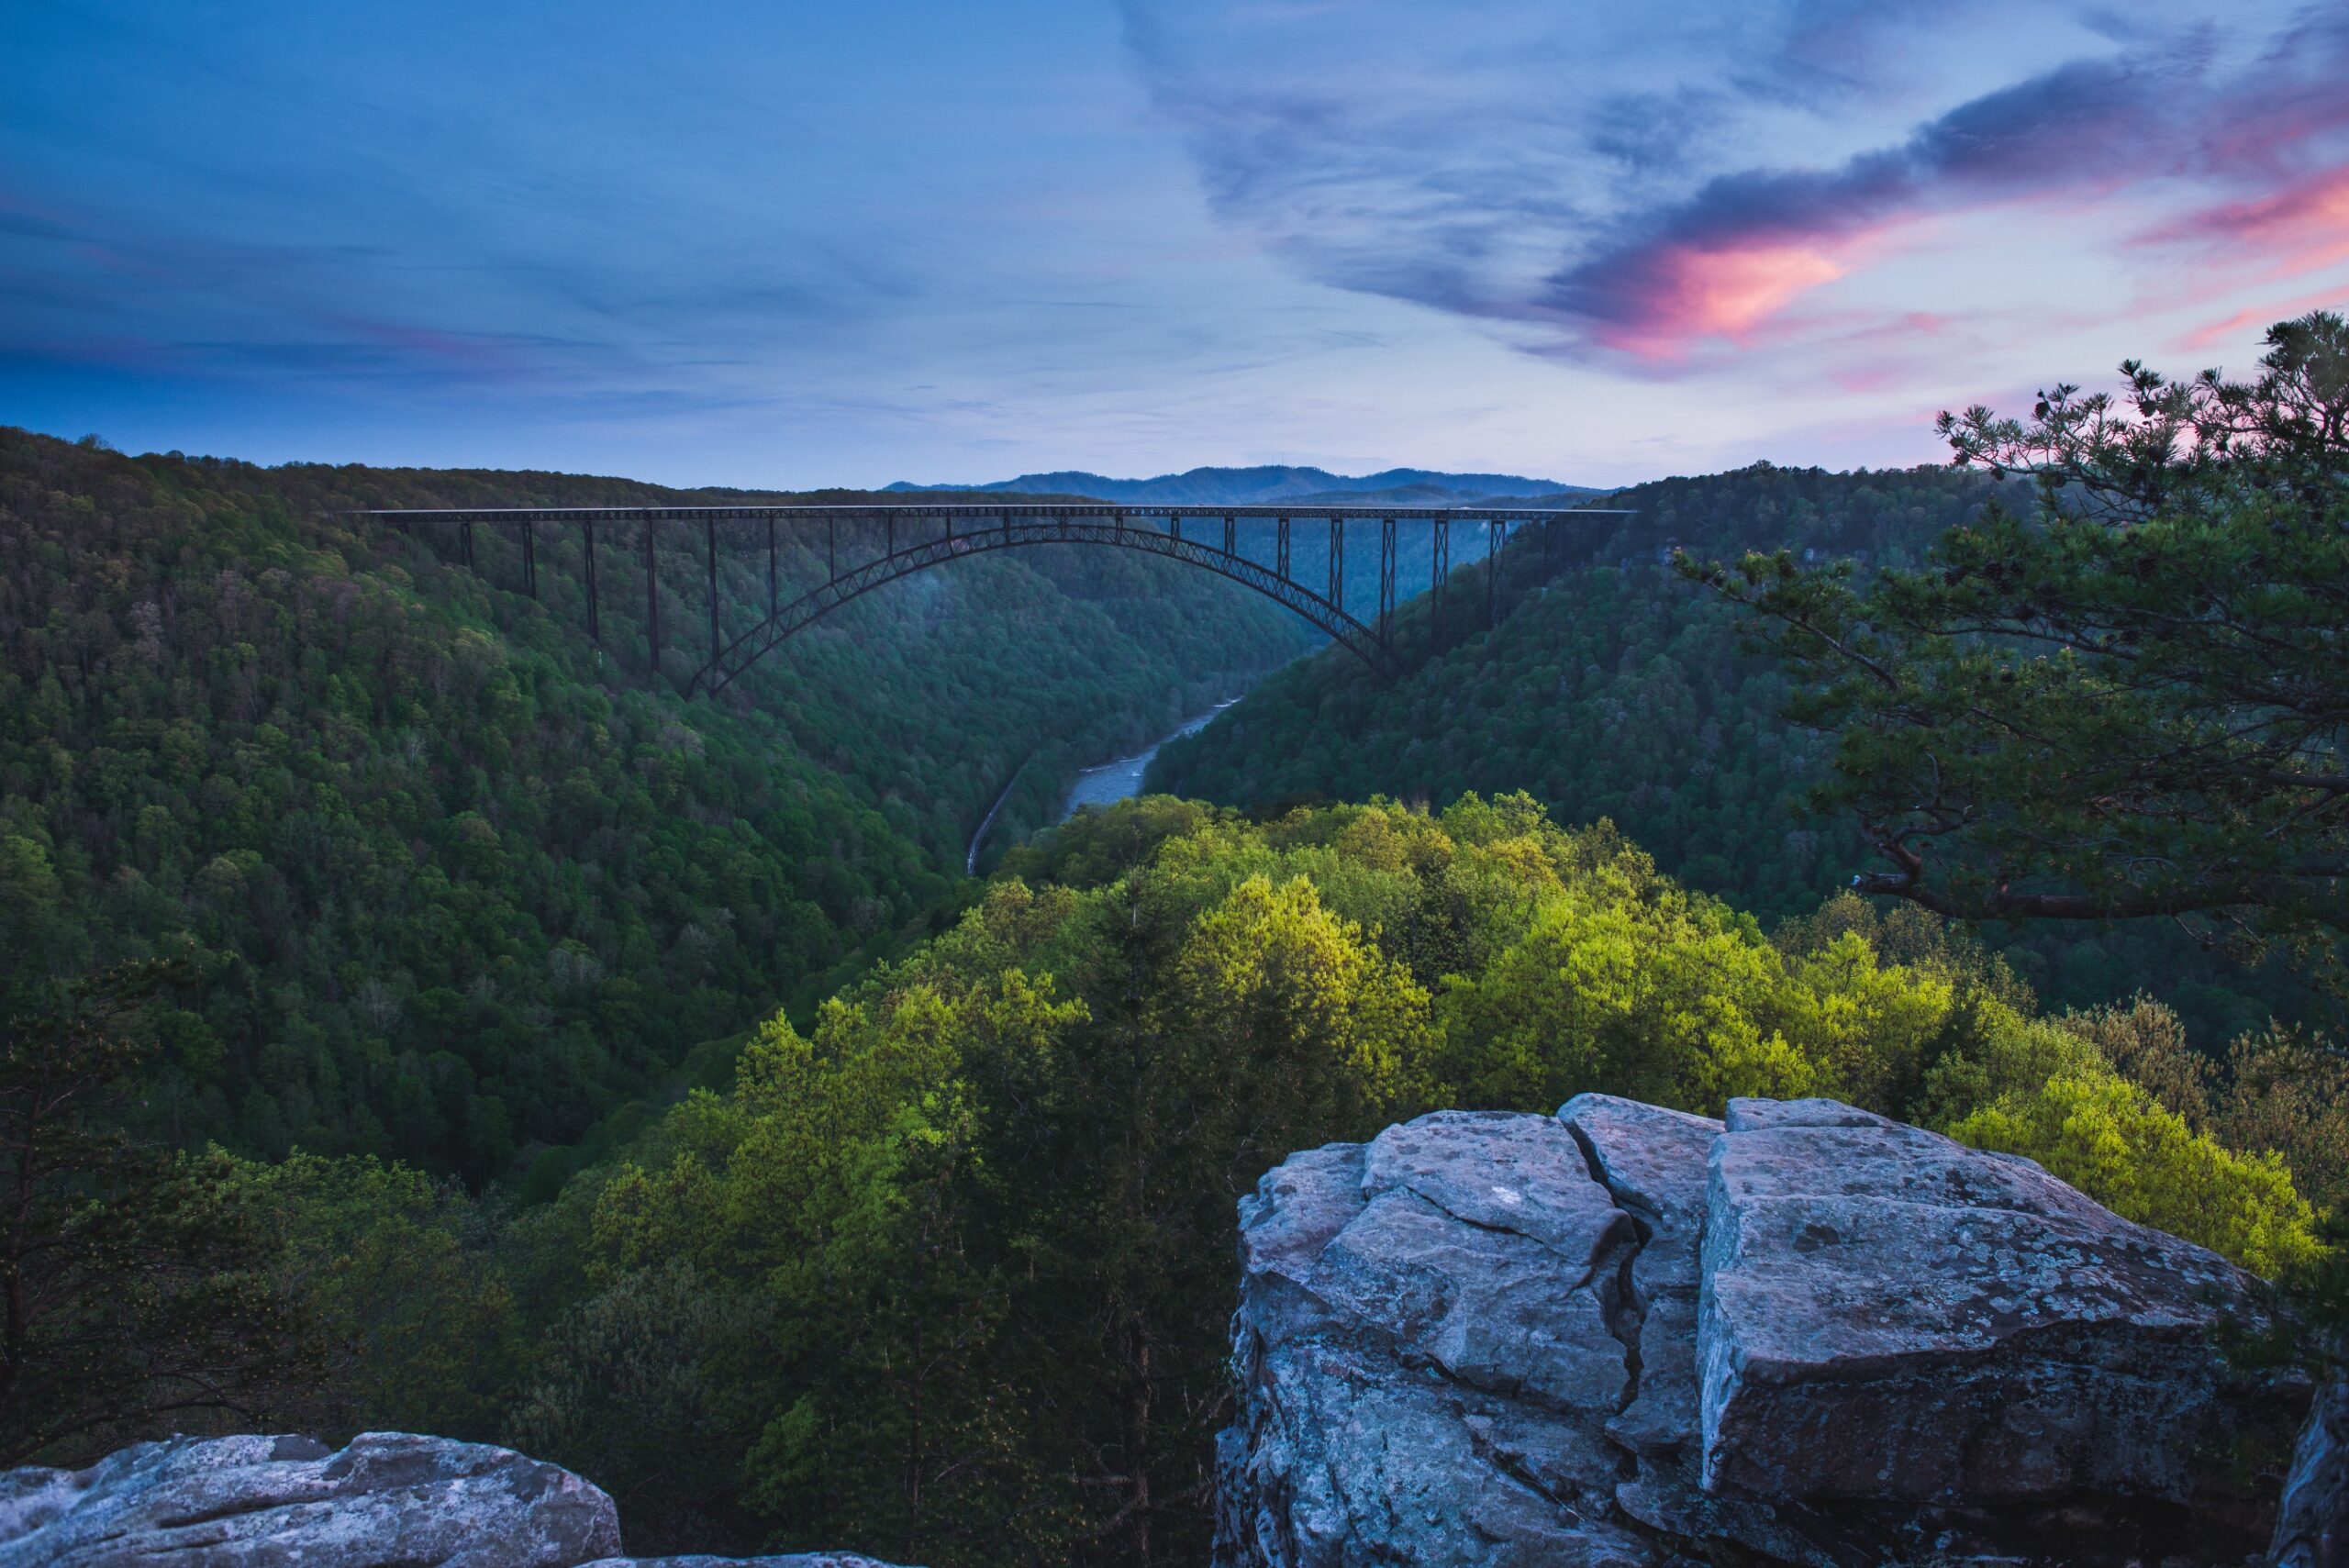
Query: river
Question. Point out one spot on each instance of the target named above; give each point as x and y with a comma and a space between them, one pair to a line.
1103, 785
1113, 782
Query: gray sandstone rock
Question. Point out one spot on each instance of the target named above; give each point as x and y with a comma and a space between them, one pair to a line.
1891, 1316
389, 1500
2312, 1520
1806, 1335
1653, 1162
1424, 1339
796, 1560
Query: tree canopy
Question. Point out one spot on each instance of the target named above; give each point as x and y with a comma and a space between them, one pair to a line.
2133, 700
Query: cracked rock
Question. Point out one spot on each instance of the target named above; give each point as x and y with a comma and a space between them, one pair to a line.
1426, 1357
1893, 1317
1805, 1335
389, 1500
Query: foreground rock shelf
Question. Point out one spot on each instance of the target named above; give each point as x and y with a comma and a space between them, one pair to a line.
389, 1500
1620, 1337
1624, 1336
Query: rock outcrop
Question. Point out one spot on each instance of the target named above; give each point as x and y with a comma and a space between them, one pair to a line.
2313, 1523
1808, 1335
389, 1500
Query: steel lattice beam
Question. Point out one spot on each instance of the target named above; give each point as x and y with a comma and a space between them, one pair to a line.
1000, 527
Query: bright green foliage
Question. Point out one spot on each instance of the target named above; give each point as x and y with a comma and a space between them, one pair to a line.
1609, 689
946, 1277
461, 885
1613, 688
2110, 1137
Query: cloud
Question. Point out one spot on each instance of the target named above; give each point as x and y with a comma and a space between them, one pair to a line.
2299, 228
1753, 158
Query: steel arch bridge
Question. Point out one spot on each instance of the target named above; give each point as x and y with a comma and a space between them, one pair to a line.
914, 538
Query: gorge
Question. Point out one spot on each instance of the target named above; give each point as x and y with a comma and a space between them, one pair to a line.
1623, 1337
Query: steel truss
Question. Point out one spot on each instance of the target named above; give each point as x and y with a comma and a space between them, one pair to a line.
969, 529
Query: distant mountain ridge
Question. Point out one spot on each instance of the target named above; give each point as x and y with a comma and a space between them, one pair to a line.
1279, 482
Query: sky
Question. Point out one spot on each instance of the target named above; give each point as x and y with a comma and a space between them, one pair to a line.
795, 244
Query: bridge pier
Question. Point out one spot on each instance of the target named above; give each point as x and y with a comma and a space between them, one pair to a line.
1387, 583
715, 646
595, 617
1439, 573
1496, 536
652, 599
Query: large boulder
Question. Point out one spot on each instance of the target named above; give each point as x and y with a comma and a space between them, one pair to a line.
794, 1560
389, 1499
1891, 1316
1805, 1335
1427, 1336
2313, 1523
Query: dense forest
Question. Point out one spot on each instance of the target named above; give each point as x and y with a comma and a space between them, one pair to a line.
458, 883
1612, 688
509, 1050
944, 1276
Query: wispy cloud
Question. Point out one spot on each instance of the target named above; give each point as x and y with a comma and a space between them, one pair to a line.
1599, 213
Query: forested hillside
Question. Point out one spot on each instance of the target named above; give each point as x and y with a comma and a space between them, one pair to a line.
946, 1274
455, 882
1614, 688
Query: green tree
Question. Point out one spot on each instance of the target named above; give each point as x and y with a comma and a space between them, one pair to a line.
133, 1280
2131, 704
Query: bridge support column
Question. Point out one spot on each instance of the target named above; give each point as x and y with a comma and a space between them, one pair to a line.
774, 595
1231, 535
1387, 583
710, 525
465, 537
1496, 536
651, 600
1439, 573
1281, 546
530, 557
595, 617
1338, 562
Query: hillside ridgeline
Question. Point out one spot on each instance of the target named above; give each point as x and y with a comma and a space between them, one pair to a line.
1612, 688
456, 883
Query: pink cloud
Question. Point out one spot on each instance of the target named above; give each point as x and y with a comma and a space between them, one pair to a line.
1691, 292
2246, 326
2303, 226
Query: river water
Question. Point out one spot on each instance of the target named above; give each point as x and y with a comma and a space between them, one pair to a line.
1113, 782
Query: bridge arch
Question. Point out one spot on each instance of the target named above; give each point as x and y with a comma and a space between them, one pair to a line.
963, 529
1364, 641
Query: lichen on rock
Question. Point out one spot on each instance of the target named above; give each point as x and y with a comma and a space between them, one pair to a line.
1624, 1335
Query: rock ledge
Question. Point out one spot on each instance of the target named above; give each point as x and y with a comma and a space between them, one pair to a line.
1803, 1335
389, 1500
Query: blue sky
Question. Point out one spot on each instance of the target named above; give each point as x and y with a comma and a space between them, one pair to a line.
799, 244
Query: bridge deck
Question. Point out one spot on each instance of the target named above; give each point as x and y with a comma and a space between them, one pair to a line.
974, 509
997, 526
